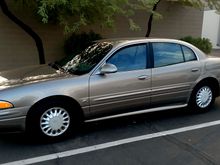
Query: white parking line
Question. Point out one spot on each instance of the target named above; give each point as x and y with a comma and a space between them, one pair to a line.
110, 144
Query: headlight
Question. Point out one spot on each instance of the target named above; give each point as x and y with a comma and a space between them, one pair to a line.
5, 105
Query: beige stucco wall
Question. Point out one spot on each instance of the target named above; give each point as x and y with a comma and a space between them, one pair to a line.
18, 49
177, 22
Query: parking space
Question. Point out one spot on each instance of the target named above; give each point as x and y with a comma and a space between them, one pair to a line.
192, 148
199, 146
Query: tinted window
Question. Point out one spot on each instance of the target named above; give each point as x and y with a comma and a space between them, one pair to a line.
130, 58
189, 54
88, 59
167, 54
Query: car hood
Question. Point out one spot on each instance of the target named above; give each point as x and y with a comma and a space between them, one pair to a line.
29, 75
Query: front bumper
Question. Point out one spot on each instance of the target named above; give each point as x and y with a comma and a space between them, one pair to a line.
13, 119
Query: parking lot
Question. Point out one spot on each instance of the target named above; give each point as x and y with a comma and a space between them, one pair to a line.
169, 137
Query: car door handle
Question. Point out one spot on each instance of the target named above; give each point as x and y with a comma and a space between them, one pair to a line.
143, 77
195, 70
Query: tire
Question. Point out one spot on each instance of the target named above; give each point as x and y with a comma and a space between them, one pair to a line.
202, 98
50, 120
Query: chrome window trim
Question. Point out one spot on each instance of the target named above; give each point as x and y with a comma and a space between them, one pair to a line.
96, 71
118, 46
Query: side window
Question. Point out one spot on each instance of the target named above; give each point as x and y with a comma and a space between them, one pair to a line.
189, 54
167, 54
130, 58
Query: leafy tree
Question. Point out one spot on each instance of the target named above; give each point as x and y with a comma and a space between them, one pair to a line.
74, 14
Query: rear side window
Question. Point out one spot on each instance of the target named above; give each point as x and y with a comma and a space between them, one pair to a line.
188, 54
167, 54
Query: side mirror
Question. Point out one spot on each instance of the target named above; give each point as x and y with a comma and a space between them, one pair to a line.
108, 68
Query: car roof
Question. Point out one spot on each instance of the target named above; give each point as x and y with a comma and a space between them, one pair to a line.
127, 41
117, 41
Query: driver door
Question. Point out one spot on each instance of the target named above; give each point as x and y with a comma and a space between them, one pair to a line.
126, 90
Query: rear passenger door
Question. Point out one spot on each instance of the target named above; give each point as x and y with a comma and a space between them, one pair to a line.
175, 68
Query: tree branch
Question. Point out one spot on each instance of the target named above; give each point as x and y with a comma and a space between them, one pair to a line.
150, 20
27, 29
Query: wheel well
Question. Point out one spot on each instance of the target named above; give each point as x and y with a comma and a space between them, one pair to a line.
212, 82
66, 99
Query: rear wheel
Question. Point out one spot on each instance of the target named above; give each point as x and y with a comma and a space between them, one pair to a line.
202, 98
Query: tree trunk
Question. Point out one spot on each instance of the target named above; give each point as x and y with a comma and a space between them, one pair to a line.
150, 20
27, 29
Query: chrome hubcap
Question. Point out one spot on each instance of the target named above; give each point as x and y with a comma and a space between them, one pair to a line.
55, 121
204, 97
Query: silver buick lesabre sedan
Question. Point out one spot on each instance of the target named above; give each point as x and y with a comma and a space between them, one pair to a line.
112, 78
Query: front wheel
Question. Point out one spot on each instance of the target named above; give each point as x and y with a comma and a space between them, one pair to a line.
202, 98
54, 121
50, 120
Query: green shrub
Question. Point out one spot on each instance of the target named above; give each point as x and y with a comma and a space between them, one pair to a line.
77, 43
203, 44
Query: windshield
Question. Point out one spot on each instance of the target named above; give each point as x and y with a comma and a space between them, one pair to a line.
88, 59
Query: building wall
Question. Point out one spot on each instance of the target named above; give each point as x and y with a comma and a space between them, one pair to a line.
178, 21
18, 49
211, 27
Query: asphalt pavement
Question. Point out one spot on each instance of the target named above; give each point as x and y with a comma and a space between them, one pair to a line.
191, 147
